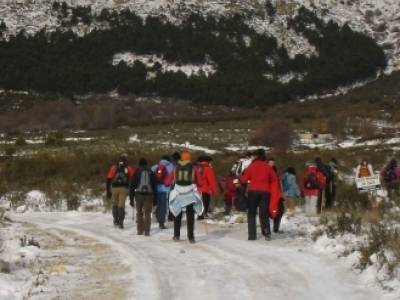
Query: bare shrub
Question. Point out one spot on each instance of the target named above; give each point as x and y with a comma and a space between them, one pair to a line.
275, 133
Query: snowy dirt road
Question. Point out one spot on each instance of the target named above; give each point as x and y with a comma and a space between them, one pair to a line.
221, 265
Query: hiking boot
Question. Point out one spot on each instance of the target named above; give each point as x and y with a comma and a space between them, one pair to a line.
121, 217
115, 215
192, 241
176, 238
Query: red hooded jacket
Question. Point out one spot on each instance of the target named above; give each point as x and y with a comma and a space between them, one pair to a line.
206, 181
260, 175
320, 177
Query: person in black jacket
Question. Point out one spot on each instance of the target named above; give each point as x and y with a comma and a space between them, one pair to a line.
142, 188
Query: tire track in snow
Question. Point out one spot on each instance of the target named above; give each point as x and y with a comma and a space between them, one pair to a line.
222, 265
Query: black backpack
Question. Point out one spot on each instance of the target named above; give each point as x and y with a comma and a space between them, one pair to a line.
311, 182
121, 177
184, 174
327, 171
144, 185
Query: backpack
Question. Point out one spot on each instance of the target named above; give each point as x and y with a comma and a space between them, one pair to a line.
285, 183
389, 175
121, 177
235, 168
161, 173
327, 171
364, 171
184, 174
144, 186
311, 182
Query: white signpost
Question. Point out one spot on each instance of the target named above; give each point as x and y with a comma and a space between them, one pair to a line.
366, 184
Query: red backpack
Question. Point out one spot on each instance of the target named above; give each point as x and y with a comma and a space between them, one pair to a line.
161, 173
311, 182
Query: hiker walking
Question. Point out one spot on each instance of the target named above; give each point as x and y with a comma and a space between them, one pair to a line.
206, 182
241, 195
333, 165
291, 191
163, 176
175, 158
227, 187
325, 195
390, 176
185, 196
364, 169
259, 176
117, 186
313, 182
142, 189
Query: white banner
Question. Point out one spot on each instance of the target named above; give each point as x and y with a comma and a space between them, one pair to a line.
368, 183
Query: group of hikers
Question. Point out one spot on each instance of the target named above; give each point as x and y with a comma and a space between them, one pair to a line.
174, 184
177, 184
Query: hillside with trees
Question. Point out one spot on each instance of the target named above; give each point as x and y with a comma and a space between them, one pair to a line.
250, 68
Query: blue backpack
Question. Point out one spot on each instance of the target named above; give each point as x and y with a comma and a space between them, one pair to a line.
285, 183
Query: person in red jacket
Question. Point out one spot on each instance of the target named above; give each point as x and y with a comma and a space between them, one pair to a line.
206, 183
228, 189
259, 176
117, 185
313, 182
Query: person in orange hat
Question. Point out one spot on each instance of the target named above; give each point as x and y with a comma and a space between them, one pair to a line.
185, 156
185, 195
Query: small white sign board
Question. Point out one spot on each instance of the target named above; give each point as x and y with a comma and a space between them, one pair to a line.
368, 183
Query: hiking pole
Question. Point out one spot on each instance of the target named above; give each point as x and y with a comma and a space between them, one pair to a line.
322, 200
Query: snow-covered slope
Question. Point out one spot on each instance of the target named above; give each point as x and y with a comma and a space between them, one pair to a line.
379, 19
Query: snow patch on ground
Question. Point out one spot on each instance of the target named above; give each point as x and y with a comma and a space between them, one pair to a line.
244, 148
345, 248
36, 201
187, 145
16, 282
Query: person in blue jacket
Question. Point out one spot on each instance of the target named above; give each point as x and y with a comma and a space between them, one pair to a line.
290, 188
163, 174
